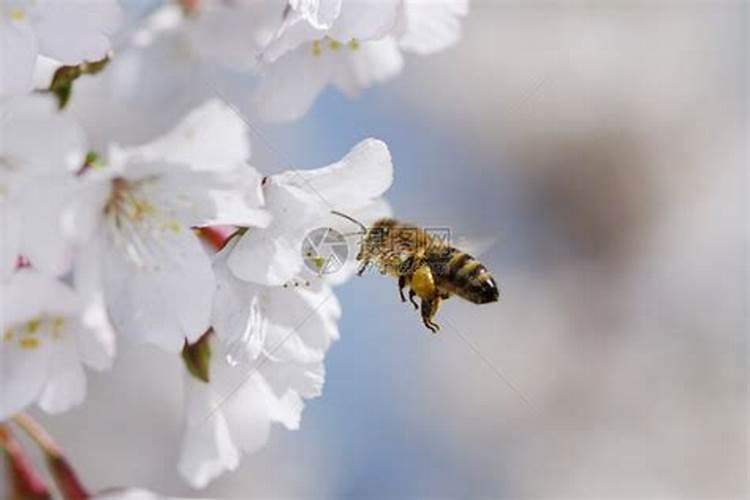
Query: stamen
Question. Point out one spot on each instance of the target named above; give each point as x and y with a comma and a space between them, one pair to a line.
28, 343
32, 326
137, 226
16, 14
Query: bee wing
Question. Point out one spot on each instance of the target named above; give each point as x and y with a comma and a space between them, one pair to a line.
475, 246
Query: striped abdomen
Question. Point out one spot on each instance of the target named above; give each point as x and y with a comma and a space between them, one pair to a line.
461, 274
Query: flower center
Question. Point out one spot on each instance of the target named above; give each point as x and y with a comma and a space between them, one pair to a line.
13, 10
29, 336
136, 225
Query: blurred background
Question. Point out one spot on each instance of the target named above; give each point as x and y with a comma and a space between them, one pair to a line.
604, 146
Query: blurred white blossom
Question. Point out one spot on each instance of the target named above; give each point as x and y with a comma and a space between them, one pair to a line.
361, 46
34, 181
69, 32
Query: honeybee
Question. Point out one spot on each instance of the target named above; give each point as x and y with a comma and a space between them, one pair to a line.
432, 269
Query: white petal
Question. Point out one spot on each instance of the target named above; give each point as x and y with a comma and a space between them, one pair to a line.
82, 217
10, 239
364, 174
18, 53
29, 293
66, 386
162, 305
145, 88
33, 120
251, 407
307, 20
96, 344
211, 137
247, 407
288, 88
236, 320
43, 241
374, 62
365, 19
207, 448
319, 13
301, 323
229, 34
77, 32
272, 255
304, 379
432, 25
231, 197
23, 374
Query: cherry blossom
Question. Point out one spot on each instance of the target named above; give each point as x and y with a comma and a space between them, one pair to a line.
272, 326
274, 340
48, 335
134, 218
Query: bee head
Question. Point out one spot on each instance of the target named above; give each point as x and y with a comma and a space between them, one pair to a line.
383, 225
377, 236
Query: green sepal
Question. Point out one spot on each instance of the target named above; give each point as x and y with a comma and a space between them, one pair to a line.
62, 81
93, 160
197, 357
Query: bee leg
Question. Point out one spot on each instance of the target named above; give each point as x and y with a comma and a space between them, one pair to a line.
363, 268
429, 308
413, 294
401, 285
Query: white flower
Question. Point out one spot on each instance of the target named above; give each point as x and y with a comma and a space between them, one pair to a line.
69, 32
40, 150
136, 215
430, 26
273, 330
274, 340
301, 200
353, 50
47, 335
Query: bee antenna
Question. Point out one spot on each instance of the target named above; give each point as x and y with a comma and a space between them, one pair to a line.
350, 219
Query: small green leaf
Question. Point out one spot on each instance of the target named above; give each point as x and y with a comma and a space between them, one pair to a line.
197, 357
